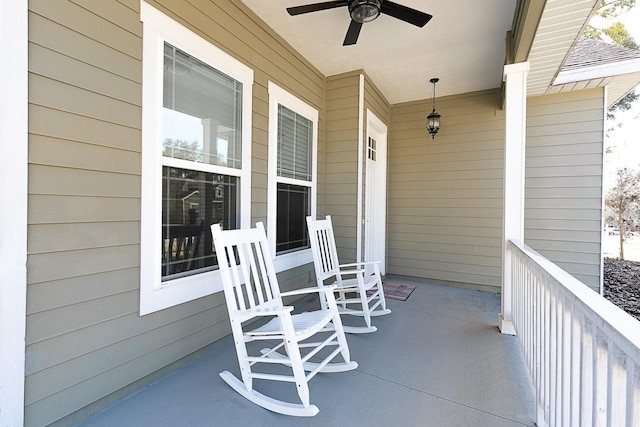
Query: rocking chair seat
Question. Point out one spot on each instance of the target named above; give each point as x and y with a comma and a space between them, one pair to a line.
304, 324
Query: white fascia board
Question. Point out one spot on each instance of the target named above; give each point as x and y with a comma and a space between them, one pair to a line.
598, 71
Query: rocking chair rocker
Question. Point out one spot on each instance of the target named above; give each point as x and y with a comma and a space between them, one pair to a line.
349, 279
252, 293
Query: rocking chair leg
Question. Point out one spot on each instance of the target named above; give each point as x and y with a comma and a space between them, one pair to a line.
323, 303
342, 341
293, 351
298, 373
343, 299
365, 304
241, 351
367, 315
383, 300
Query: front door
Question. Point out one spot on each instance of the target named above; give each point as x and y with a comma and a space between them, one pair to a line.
375, 215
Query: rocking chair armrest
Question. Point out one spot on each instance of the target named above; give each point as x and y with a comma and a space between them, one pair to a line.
267, 312
349, 272
358, 264
324, 289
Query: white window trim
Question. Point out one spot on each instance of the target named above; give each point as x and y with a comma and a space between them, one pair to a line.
154, 294
279, 96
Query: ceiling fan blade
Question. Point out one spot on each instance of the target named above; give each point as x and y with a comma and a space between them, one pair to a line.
405, 13
352, 33
299, 10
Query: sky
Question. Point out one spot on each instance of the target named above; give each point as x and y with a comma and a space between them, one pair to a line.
624, 141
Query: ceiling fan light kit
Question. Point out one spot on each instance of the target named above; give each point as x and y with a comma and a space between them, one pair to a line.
364, 10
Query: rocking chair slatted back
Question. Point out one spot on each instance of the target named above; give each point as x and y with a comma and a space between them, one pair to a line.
323, 244
252, 284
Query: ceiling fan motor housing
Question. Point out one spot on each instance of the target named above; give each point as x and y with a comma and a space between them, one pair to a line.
364, 10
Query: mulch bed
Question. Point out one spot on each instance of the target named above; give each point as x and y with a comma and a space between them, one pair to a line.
622, 284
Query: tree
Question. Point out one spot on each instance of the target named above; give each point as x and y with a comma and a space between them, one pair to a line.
608, 11
624, 201
613, 30
181, 149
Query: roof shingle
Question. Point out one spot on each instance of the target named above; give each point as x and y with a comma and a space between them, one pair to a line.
588, 53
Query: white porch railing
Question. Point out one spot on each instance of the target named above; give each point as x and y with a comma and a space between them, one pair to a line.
582, 351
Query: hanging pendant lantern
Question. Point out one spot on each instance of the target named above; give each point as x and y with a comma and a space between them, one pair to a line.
433, 119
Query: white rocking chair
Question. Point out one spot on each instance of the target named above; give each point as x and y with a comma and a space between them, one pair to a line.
349, 279
252, 293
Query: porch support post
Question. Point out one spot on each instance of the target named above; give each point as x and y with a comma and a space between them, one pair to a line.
13, 212
515, 77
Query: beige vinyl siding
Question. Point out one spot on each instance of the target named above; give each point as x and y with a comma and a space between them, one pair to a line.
564, 181
375, 101
85, 339
341, 161
445, 194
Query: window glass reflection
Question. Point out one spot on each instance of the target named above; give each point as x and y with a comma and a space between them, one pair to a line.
192, 201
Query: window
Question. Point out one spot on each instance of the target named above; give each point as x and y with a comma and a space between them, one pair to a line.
195, 159
371, 149
293, 129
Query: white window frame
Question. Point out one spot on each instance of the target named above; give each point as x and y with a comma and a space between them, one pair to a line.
279, 96
157, 29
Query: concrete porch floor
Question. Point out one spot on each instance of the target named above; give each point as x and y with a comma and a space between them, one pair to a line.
437, 360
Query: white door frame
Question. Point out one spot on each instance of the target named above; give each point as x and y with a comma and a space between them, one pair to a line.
13, 213
375, 217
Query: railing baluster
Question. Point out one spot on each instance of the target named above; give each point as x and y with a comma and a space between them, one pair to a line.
610, 382
553, 355
601, 387
588, 363
576, 367
540, 348
633, 394
546, 366
567, 330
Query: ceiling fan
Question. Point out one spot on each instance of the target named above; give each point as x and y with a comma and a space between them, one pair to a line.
362, 11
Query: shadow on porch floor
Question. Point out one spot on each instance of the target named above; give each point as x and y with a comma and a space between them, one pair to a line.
437, 360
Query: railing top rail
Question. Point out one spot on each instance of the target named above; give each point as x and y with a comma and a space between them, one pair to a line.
616, 319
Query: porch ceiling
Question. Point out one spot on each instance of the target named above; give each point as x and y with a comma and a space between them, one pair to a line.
463, 45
